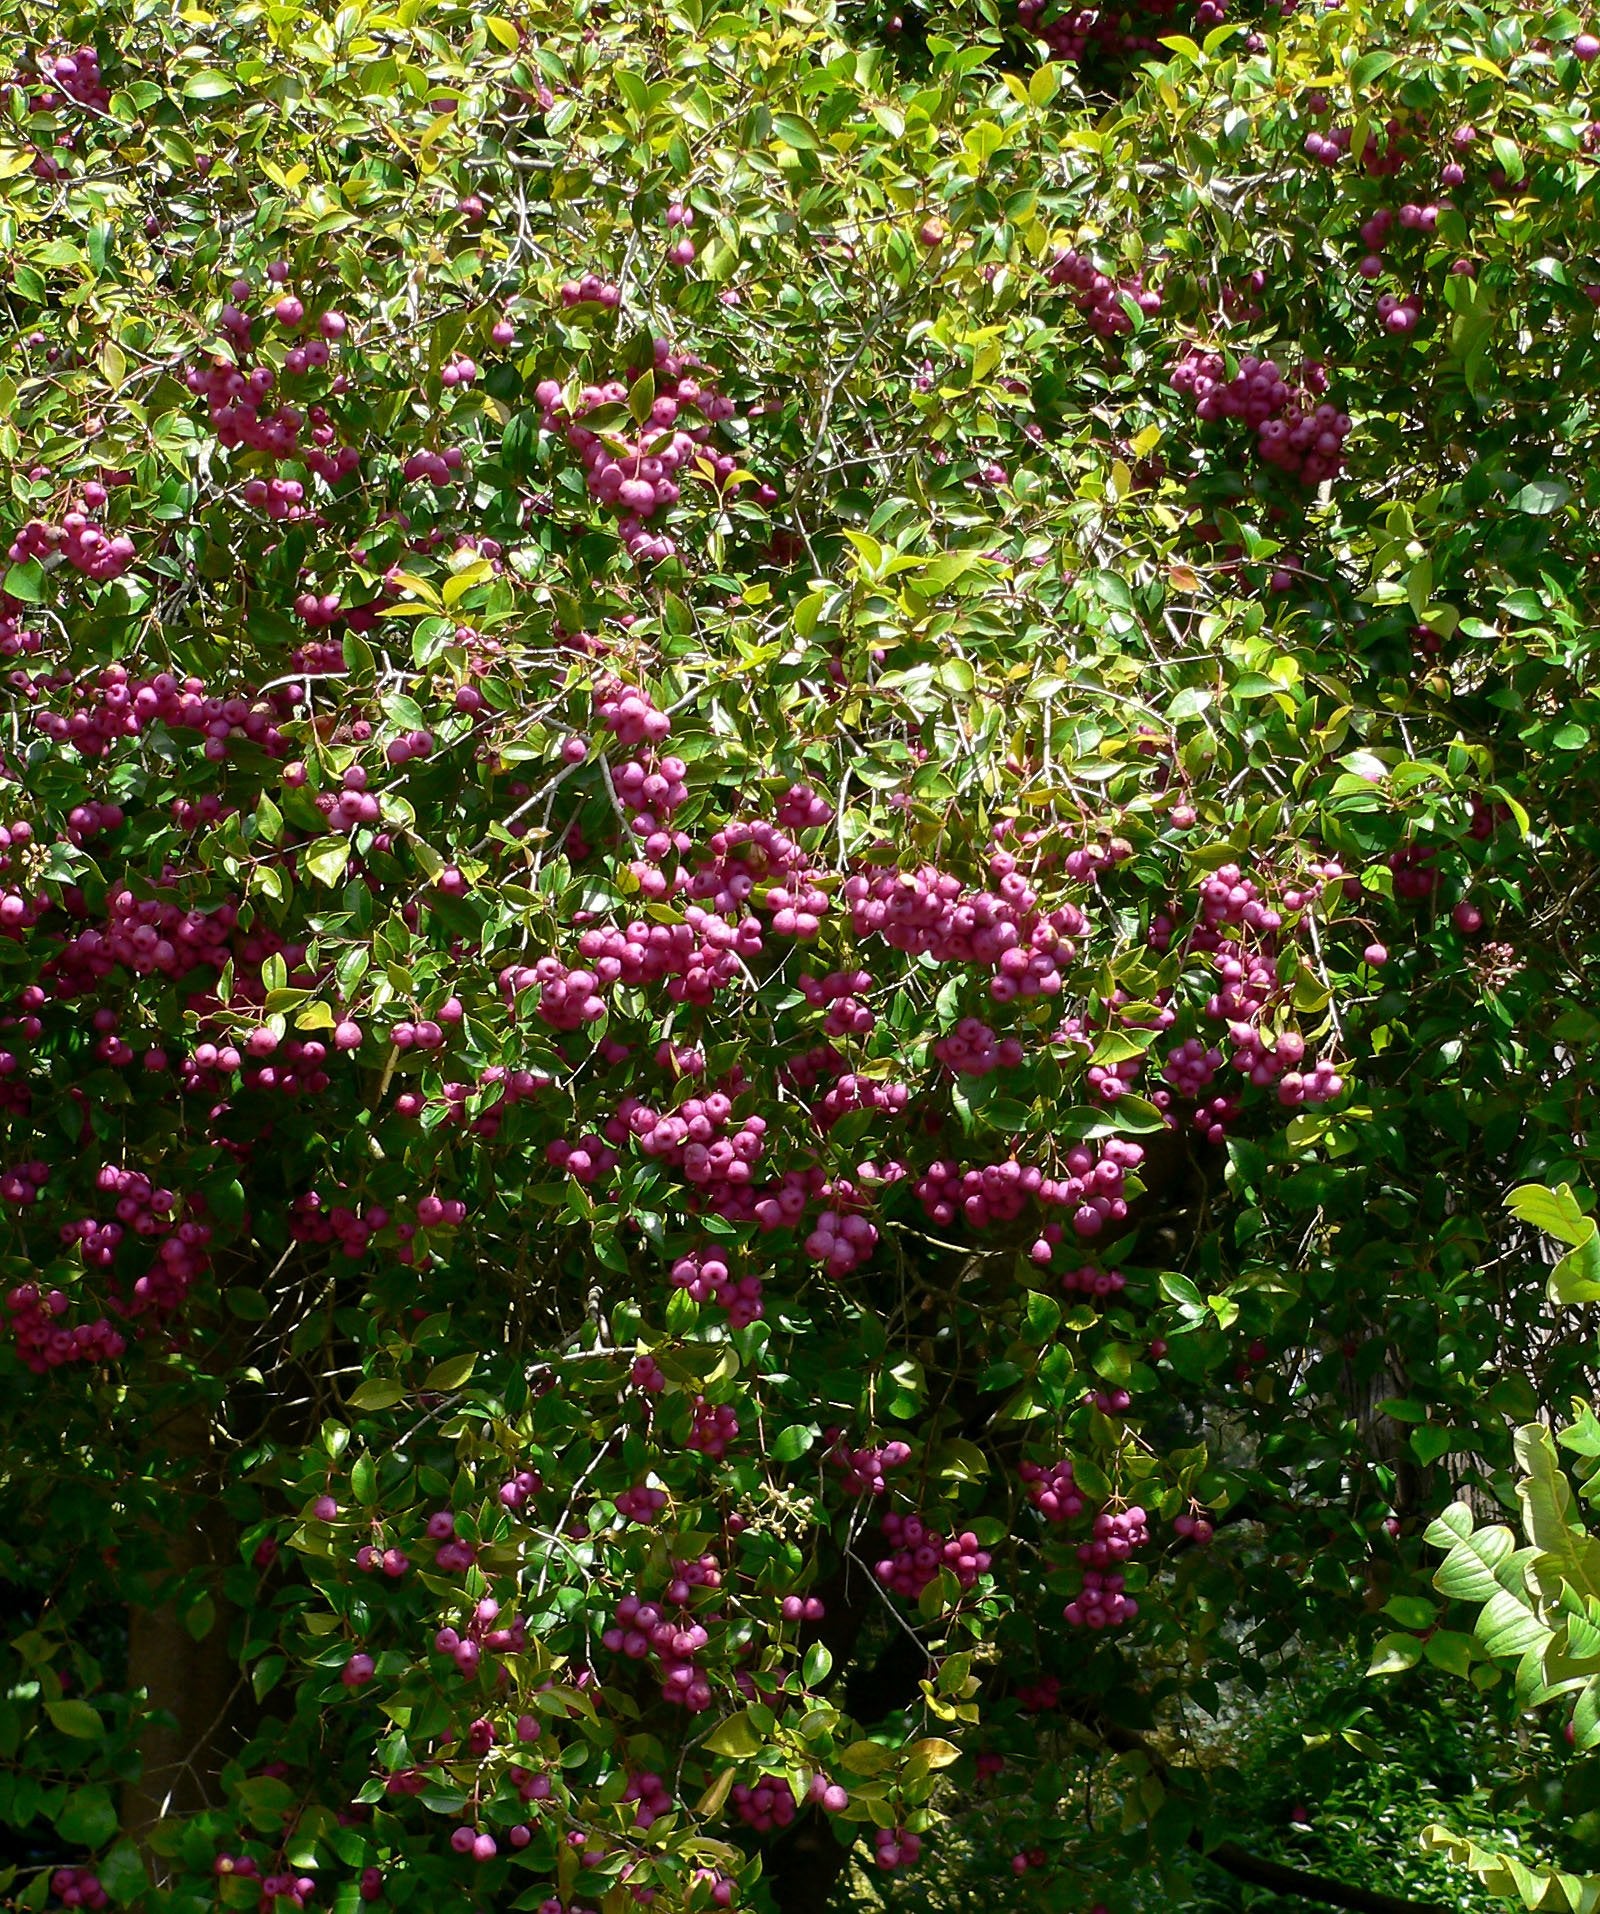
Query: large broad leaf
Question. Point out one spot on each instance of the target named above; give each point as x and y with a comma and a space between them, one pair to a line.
1547, 1516
1509, 1625
1576, 1278
1548, 1890
1479, 1559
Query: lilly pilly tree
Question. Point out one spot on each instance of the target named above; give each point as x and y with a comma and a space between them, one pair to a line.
786, 845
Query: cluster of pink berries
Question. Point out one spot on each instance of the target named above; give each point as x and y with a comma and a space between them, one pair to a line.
236, 403
973, 1050
1101, 1602
20, 1187
74, 75
841, 991
17, 909
477, 1843
1190, 1067
696, 957
865, 1471
653, 789
707, 1278
641, 1503
849, 1090
1110, 1402
652, 1795
756, 863
1039, 1697
1101, 299
591, 291
1053, 1491
313, 1221
713, 1428
434, 468
841, 1241
802, 809
518, 1490
586, 1160
681, 251
931, 912
1089, 1279
1263, 1064
920, 1553
647, 1376
352, 805
895, 1848
115, 704
1382, 156
1397, 314
998, 1193
629, 714
149, 1212
484, 1634
85, 546
78, 1887
296, 1889
1115, 1536
1414, 874
390, 1561
17, 640
501, 1088
1115, 33
1301, 439
766, 1806
643, 1629
44, 1342
638, 477
695, 1138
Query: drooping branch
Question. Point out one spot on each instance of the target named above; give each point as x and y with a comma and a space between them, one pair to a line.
1251, 1868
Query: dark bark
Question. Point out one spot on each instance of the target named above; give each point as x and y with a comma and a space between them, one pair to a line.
194, 1683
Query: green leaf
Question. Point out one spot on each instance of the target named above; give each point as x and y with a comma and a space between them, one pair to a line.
75, 1718
1394, 1654
325, 860
89, 1818
122, 1873
1508, 1627
208, 86
449, 1375
1473, 1569
1555, 1211
1541, 496
1411, 1611
794, 132
377, 1394
25, 582
792, 1442
736, 1736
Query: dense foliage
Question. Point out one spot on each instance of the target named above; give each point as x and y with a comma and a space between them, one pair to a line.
797, 830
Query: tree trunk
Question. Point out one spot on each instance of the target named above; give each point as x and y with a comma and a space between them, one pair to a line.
195, 1683
803, 1867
